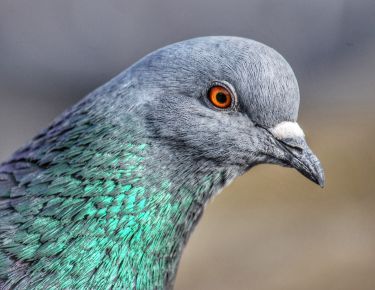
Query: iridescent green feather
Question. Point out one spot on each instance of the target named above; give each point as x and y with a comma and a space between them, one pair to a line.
83, 210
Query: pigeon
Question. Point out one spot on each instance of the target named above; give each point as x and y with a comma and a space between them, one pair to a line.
107, 196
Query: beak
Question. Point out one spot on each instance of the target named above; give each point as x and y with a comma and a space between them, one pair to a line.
295, 151
304, 160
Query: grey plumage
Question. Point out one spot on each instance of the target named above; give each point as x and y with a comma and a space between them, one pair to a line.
130, 167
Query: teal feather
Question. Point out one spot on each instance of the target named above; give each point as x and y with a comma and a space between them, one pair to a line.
80, 213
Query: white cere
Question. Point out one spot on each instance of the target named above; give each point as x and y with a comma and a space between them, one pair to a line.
285, 130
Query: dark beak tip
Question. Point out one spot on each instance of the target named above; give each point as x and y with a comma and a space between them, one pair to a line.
321, 181
319, 175
315, 174
309, 165
317, 178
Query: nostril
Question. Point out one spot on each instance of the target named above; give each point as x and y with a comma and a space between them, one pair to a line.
295, 146
298, 150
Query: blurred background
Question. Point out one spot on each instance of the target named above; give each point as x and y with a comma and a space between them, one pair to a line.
272, 228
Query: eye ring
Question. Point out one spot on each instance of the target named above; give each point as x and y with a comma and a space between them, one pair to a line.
220, 96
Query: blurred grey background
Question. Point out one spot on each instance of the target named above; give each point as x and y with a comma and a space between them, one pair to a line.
271, 229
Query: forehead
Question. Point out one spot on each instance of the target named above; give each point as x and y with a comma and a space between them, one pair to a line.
268, 88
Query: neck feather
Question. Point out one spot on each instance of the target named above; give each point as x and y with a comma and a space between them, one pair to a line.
117, 209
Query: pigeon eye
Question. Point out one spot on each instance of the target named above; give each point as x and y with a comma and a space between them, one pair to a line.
220, 97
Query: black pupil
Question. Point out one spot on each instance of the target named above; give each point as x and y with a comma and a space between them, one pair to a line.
221, 98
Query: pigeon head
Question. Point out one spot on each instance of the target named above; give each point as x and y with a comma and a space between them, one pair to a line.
228, 100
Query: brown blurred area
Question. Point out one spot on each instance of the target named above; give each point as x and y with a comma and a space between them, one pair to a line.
271, 229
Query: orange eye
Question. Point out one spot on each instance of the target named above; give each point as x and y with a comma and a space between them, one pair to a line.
220, 97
